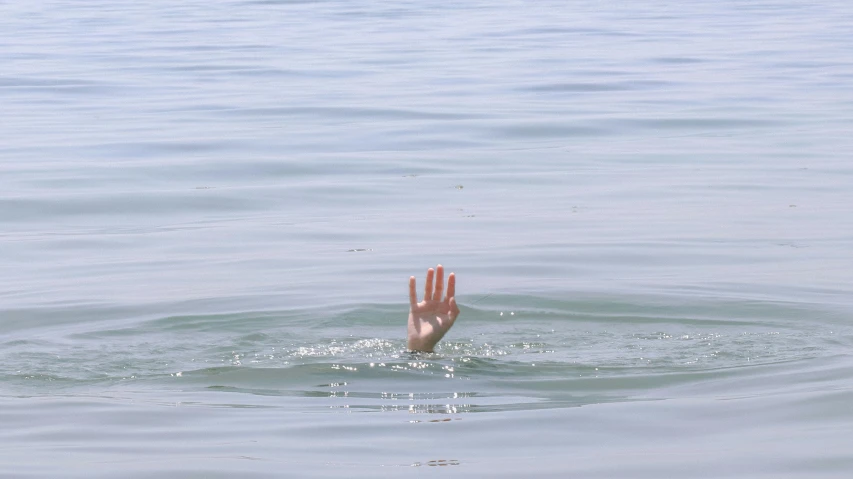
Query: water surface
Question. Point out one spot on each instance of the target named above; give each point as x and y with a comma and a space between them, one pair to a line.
209, 212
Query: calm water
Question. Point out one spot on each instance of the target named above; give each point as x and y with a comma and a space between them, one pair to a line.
209, 210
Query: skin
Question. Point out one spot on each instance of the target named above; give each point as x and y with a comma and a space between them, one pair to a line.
431, 318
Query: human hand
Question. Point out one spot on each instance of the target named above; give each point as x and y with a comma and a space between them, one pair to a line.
432, 317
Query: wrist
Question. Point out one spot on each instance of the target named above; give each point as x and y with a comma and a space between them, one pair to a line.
419, 346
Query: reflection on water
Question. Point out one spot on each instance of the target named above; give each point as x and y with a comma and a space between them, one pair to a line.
438, 462
413, 403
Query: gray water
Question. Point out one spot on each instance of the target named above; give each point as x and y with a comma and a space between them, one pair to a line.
209, 212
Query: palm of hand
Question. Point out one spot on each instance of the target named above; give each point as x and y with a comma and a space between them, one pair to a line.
431, 318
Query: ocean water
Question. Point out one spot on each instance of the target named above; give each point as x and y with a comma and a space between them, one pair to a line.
209, 212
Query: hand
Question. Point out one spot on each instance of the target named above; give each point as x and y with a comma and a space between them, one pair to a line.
432, 317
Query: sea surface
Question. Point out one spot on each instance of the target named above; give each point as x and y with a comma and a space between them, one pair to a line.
209, 212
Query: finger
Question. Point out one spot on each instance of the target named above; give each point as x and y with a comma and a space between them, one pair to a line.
439, 283
454, 309
451, 286
413, 295
428, 288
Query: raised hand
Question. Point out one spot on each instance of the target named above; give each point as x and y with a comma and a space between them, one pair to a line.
432, 317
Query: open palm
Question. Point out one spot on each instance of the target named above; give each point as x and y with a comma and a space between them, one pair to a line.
432, 317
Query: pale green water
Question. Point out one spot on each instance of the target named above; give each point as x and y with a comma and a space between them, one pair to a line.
209, 212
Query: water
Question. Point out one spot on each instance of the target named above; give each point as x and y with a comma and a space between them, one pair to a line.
209, 212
